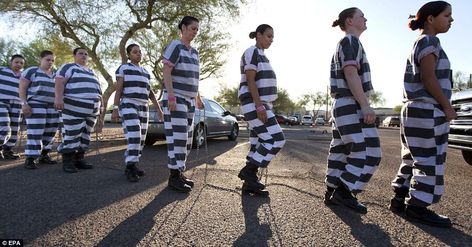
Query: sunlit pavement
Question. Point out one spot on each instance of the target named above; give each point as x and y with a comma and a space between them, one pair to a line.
47, 207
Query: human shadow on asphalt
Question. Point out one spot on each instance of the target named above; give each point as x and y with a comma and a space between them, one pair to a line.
132, 230
38, 202
366, 234
255, 234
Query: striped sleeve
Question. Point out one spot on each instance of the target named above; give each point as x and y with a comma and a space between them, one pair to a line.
119, 72
426, 46
250, 59
28, 74
349, 54
172, 53
65, 71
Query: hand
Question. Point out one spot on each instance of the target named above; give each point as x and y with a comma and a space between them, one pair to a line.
200, 104
262, 115
99, 126
115, 116
369, 115
450, 113
26, 109
59, 104
172, 105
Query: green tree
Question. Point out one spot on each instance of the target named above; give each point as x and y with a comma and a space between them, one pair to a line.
228, 97
460, 81
283, 103
377, 99
397, 109
105, 27
313, 101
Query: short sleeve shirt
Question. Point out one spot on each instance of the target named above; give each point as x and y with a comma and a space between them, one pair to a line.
41, 86
136, 83
81, 82
349, 51
9, 84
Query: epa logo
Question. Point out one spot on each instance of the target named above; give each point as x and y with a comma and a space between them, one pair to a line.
11, 242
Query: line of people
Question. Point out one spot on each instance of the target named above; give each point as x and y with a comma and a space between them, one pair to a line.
354, 154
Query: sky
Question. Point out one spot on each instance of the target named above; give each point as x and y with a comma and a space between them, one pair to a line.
304, 42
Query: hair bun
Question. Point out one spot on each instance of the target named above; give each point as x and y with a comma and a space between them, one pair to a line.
252, 35
335, 23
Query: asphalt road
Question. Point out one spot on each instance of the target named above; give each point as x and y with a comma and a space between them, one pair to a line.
47, 207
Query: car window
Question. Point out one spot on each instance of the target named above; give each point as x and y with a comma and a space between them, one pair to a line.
216, 107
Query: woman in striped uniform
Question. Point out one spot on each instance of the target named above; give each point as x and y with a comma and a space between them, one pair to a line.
257, 92
181, 73
37, 100
78, 96
425, 117
354, 153
10, 106
133, 90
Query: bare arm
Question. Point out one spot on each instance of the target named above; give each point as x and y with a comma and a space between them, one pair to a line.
22, 91
166, 74
59, 94
116, 101
431, 83
355, 85
251, 83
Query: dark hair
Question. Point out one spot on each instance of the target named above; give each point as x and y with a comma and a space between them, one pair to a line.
16, 56
77, 49
260, 29
130, 47
45, 53
187, 20
432, 8
341, 21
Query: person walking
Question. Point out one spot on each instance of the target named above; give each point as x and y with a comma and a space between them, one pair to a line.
425, 117
354, 153
78, 95
10, 106
257, 92
181, 73
133, 91
42, 119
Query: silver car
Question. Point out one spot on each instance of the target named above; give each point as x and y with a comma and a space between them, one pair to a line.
214, 121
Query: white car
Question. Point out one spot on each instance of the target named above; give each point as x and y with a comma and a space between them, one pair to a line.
319, 121
307, 119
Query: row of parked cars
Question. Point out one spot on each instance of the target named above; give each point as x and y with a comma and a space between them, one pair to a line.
295, 120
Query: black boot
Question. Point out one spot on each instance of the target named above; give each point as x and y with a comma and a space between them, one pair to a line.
343, 196
8, 154
30, 163
80, 162
186, 180
249, 189
249, 175
397, 203
177, 183
131, 172
45, 159
327, 197
426, 216
68, 163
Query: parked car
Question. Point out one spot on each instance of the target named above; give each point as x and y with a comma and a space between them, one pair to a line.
214, 121
297, 119
319, 121
391, 121
307, 119
460, 134
281, 119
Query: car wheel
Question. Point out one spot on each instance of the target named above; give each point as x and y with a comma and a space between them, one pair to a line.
234, 133
467, 156
149, 141
199, 135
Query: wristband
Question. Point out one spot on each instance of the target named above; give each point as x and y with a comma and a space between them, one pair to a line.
171, 98
260, 108
115, 107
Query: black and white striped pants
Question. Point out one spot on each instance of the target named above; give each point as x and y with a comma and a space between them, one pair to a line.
78, 117
178, 127
266, 139
354, 153
424, 134
41, 128
9, 122
135, 116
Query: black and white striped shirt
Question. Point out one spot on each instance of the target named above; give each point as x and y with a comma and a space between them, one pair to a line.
42, 85
414, 89
82, 83
9, 84
349, 51
136, 83
186, 72
266, 81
